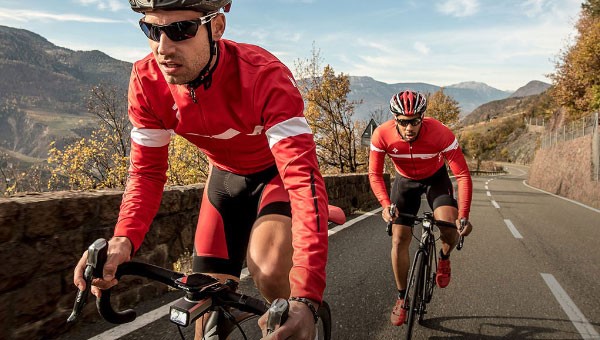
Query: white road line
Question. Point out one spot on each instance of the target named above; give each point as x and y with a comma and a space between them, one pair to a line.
139, 322
486, 188
512, 229
586, 330
489, 194
495, 204
353, 221
145, 319
564, 198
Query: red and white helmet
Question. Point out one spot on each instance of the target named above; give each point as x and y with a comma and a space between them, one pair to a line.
408, 103
206, 6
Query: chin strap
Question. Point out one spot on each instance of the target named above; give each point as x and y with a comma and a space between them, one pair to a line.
205, 75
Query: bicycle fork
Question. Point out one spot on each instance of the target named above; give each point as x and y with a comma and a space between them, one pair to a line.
425, 286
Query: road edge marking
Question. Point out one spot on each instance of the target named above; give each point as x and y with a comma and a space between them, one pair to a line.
564, 198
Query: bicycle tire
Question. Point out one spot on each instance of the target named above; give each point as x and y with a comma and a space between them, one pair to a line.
249, 325
415, 288
430, 274
427, 285
324, 323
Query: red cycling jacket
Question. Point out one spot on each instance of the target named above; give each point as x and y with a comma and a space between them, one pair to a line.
419, 159
250, 118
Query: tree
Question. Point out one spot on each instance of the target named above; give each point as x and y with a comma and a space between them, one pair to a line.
187, 164
329, 113
380, 115
591, 8
443, 108
101, 160
577, 76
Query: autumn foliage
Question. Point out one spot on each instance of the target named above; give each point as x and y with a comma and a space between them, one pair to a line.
577, 77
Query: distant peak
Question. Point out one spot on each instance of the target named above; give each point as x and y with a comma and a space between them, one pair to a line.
469, 85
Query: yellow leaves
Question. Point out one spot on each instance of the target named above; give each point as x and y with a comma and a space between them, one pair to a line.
443, 108
187, 164
578, 70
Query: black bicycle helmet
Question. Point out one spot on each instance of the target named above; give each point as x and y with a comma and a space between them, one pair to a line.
408, 103
205, 6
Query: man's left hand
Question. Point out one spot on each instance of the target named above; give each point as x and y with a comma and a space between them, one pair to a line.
466, 230
300, 324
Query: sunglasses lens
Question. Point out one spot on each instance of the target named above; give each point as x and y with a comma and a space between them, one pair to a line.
176, 31
413, 122
147, 29
181, 30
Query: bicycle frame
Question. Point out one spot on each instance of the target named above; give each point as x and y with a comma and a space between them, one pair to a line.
421, 280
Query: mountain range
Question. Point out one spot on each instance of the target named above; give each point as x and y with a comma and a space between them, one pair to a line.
376, 95
40, 81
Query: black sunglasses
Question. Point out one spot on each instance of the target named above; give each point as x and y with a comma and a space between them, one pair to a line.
413, 122
176, 31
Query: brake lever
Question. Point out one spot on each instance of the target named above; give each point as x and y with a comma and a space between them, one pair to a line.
388, 228
93, 268
461, 239
278, 313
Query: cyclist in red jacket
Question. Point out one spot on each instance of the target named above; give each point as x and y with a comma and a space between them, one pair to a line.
419, 147
265, 199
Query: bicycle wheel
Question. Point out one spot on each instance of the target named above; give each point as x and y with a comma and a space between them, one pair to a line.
324, 323
430, 273
248, 326
427, 284
415, 289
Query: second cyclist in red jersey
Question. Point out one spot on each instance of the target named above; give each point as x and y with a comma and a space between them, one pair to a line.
419, 148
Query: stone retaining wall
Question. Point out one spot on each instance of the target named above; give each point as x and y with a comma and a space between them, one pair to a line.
567, 169
43, 236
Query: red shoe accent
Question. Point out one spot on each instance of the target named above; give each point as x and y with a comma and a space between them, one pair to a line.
442, 277
398, 316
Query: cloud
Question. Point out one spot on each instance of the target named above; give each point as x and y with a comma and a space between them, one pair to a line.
25, 15
422, 48
111, 5
533, 7
459, 8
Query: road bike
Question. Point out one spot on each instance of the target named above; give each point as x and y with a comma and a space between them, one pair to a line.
234, 315
421, 279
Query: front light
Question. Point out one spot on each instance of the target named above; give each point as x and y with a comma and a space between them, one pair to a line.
179, 317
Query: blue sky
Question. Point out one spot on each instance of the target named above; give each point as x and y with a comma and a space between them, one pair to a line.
503, 43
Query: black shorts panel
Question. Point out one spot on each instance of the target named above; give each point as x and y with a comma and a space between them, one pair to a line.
230, 205
406, 193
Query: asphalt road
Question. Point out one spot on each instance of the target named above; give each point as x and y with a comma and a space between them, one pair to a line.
529, 270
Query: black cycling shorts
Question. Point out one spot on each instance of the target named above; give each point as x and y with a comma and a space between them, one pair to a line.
406, 193
230, 205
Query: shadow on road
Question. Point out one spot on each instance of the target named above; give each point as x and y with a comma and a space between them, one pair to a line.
496, 327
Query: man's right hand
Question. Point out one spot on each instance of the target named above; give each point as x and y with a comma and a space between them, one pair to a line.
119, 251
387, 217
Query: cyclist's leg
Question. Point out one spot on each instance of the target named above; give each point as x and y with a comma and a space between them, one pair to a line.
269, 256
440, 196
441, 199
406, 194
227, 213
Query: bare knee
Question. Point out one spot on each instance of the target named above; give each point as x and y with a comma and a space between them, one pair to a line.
401, 237
272, 279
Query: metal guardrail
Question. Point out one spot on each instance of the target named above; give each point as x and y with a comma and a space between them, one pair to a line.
487, 173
